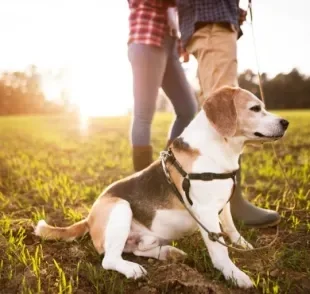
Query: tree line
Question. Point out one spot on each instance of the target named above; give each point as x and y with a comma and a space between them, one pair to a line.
284, 91
21, 92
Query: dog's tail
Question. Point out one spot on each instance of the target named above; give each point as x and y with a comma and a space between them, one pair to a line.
66, 233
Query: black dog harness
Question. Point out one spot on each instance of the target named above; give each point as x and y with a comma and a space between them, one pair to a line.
168, 156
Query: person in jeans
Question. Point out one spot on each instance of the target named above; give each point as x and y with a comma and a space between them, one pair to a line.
153, 54
209, 31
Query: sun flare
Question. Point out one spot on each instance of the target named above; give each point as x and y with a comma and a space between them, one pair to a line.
101, 94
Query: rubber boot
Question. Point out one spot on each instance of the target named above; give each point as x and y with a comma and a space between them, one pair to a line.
141, 157
248, 214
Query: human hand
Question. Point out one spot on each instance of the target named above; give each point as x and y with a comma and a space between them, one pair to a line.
242, 16
185, 56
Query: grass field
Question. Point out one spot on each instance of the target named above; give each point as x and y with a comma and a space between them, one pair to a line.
51, 169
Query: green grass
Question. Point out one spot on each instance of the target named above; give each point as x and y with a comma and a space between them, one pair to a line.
50, 168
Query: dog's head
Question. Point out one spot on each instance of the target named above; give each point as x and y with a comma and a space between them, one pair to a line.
237, 112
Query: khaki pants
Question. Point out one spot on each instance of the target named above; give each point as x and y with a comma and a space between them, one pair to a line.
215, 48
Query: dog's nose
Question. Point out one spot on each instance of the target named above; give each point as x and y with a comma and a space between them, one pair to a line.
284, 123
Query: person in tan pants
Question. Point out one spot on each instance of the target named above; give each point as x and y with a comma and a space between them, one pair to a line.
214, 47
209, 31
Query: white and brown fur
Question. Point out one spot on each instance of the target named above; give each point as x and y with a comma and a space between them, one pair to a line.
141, 214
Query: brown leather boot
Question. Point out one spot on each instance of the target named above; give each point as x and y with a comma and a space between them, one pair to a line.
141, 157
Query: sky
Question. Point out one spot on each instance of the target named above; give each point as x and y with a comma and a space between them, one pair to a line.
87, 40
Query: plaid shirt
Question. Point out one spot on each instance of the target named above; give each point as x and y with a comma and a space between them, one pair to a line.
148, 21
192, 12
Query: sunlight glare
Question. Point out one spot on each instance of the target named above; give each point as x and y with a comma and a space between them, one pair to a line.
99, 93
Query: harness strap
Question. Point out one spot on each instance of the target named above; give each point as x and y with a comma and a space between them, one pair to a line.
177, 165
186, 184
213, 236
194, 176
211, 176
169, 156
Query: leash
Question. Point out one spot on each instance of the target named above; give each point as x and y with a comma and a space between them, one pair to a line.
168, 156
262, 94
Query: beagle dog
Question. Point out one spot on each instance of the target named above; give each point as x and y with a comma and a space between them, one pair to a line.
141, 214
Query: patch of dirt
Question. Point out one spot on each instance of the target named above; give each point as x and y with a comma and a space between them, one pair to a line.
180, 278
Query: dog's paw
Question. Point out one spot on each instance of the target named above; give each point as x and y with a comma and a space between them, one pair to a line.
240, 241
129, 269
133, 270
39, 227
171, 253
239, 278
175, 254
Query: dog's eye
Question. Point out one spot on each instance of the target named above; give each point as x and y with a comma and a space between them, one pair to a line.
256, 108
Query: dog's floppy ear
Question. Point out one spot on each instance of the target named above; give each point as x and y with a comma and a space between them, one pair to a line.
221, 111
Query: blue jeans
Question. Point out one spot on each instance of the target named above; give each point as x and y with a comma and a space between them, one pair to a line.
152, 68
